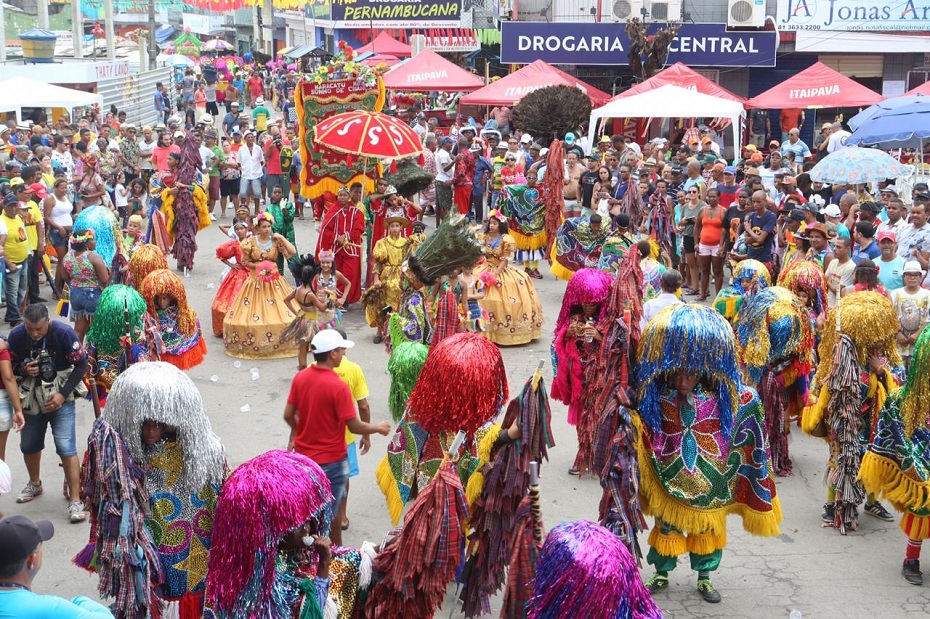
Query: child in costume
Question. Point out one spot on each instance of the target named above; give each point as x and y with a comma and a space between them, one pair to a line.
172, 322
897, 463
859, 366
776, 337
132, 235
313, 313
702, 447
749, 277
159, 414
806, 279
144, 260
234, 276
576, 344
282, 214
514, 311
471, 290
388, 255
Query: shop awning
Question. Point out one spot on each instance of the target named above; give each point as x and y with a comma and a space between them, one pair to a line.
682, 76
164, 33
815, 87
430, 71
510, 89
19, 92
386, 44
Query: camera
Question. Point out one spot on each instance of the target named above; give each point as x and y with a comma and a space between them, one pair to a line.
47, 373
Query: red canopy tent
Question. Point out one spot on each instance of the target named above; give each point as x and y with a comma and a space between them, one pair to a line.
815, 87
430, 71
385, 59
682, 76
539, 74
923, 89
386, 44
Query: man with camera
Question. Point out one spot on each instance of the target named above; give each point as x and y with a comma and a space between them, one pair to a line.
49, 363
278, 153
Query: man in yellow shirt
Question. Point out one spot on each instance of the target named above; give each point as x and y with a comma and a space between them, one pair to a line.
16, 258
26, 190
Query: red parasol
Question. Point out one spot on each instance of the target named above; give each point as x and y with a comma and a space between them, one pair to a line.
368, 134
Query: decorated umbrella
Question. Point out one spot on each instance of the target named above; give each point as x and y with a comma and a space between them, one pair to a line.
858, 165
216, 45
368, 134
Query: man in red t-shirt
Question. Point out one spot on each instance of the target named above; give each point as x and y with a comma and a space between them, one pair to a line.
256, 87
319, 408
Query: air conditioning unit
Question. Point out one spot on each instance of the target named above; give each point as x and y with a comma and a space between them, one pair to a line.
621, 10
665, 11
745, 13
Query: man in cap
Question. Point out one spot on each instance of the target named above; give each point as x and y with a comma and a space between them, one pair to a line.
231, 119
831, 214
822, 140
445, 167
31, 215
16, 258
890, 265
728, 187
603, 145
21, 553
498, 161
260, 115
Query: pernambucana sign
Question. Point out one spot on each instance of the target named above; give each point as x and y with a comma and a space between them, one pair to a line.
397, 13
697, 45
868, 15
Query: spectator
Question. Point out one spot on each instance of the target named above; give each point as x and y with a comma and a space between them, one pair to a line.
16, 258
866, 247
795, 145
670, 283
840, 272
251, 162
444, 169
760, 126
276, 149
260, 115
790, 119
161, 106
21, 553
51, 362
914, 239
911, 304
837, 141
760, 230
890, 265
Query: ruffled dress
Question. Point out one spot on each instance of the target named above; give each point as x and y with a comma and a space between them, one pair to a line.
514, 312
229, 287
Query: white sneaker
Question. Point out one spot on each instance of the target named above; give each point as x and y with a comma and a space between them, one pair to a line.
212, 217
76, 512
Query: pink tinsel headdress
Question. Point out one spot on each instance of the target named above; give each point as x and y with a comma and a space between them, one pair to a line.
261, 502
585, 286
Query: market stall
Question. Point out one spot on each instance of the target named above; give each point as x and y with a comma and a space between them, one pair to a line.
17, 93
510, 89
428, 71
818, 86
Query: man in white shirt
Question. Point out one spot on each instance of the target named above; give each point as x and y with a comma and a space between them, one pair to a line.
838, 138
251, 160
670, 281
445, 167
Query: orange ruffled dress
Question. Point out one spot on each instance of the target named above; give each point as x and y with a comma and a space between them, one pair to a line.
229, 287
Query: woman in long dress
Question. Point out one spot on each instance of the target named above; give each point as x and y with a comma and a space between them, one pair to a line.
230, 253
514, 311
258, 315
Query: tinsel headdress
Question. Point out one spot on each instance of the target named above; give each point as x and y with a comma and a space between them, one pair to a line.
158, 391
806, 276
584, 570
106, 230
754, 270
165, 282
694, 339
109, 326
453, 246
262, 501
145, 259
773, 325
462, 385
404, 366
869, 319
915, 394
585, 286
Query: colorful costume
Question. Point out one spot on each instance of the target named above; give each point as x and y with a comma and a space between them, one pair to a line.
258, 315
577, 246
514, 311
390, 254
808, 277
175, 329
848, 395
143, 261
186, 213
282, 223
348, 222
106, 229
615, 248
749, 277
703, 453
776, 337
526, 218
183, 472
230, 286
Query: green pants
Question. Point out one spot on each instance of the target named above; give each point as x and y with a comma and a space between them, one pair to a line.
666, 542
699, 563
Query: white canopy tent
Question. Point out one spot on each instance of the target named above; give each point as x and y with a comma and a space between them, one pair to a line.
670, 102
19, 92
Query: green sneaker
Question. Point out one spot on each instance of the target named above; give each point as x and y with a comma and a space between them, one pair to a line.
657, 583
706, 589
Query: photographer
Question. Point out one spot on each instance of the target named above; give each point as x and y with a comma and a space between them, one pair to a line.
49, 363
278, 154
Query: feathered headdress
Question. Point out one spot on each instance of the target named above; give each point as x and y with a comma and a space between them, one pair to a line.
694, 339
585, 286
145, 259
296, 265
109, 326
915, 394
773, 325
806, 276
462, 385
453, 246
165, 282
584, 570
158, 391
262, 501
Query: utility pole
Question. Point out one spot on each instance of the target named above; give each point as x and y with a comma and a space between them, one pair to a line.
153, 45
261, 28
77, 29
108, 29
42, 10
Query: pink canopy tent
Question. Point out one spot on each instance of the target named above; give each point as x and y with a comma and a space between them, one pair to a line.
386, 44
539, 74
430, 71
923, 89
682, 76
378, 59
815, 87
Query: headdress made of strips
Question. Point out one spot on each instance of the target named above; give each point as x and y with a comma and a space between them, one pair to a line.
754, 270
694, 339
145, 259
915, 394
773, 325
165, 283
262, 501
806, 276
585, 286
158, 391
109, 326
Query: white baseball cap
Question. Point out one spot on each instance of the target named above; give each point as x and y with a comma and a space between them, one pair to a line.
831, 210
526, 138
328, 340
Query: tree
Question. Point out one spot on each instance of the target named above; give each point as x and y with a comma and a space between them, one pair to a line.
549, 113
648, 52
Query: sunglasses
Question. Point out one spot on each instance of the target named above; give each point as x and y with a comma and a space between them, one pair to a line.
509, 159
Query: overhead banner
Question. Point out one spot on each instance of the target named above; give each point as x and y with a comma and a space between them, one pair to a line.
697, 45
868, 15
396, 13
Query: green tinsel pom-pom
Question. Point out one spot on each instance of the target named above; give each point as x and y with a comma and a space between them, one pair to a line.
109, 324
404, 367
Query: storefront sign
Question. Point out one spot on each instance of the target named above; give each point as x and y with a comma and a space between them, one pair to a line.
884, 15
396, 13
110, 70
697, 45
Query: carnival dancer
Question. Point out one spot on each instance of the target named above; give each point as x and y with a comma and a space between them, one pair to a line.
749, 277
388, 255
526, 220
341, 233
397, 205
374, 208
858, 367
578, 245
776, 336
173, 323
230, 254
806, 279
313, 312
282, 214
184, 202
514, 310
577, 340
689, 387
258, 315
329, 282
159, 414
897, 463
144, 260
